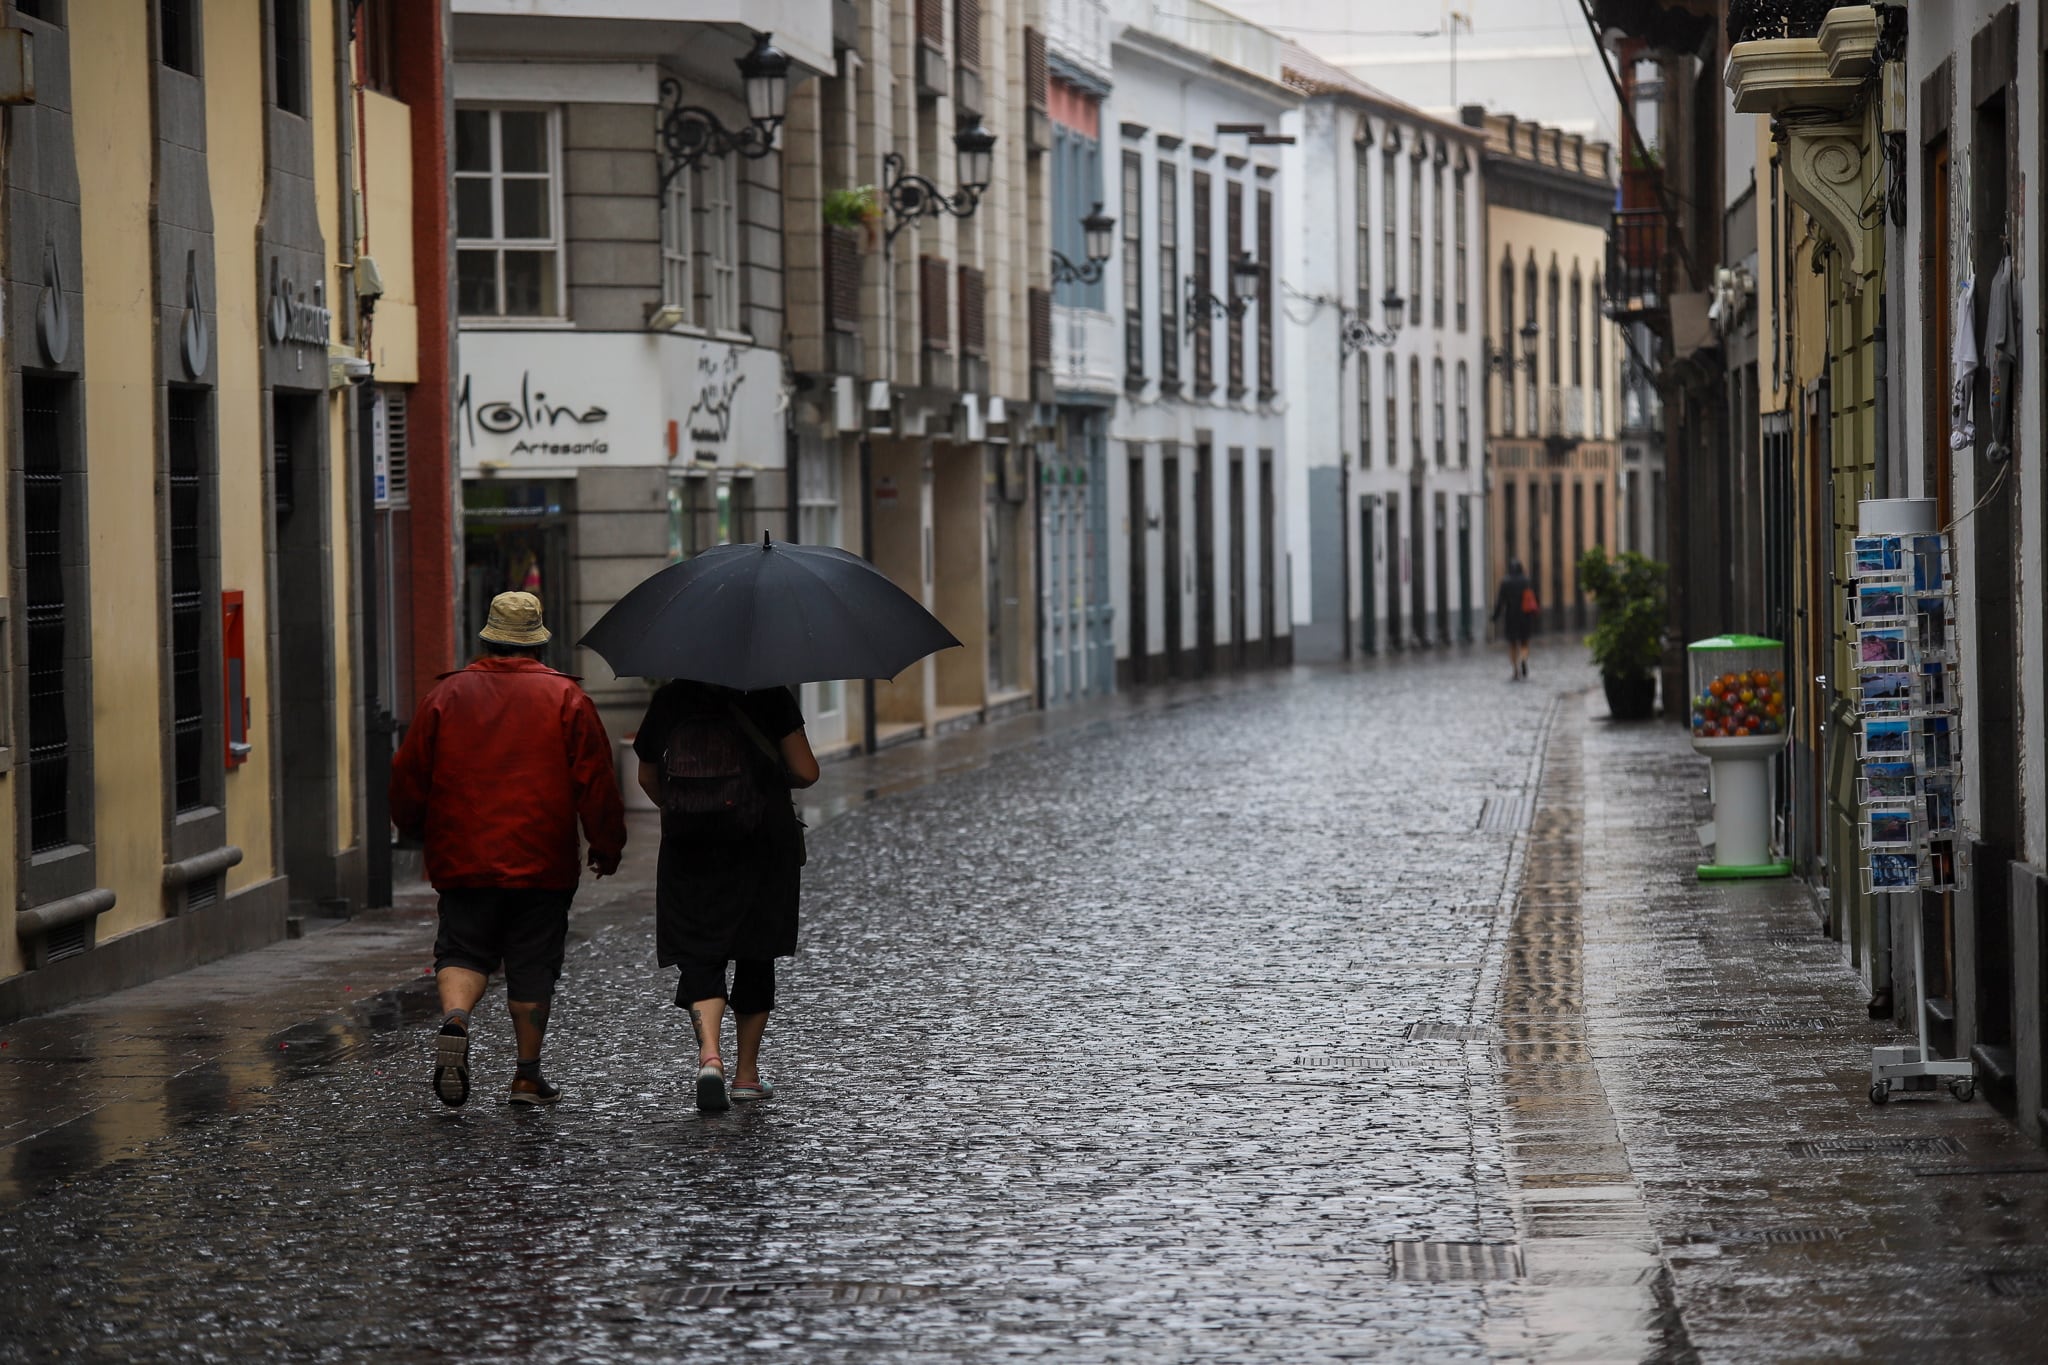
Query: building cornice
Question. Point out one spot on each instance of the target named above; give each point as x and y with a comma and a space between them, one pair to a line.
1267, 89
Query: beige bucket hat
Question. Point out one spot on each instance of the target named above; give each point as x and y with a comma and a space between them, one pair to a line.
514, 620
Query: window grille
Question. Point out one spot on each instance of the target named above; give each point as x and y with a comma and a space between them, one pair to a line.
508, 258
1169, 274
1134, 270
1265, 298
185, 479
397, 441
46, 518
1201, 323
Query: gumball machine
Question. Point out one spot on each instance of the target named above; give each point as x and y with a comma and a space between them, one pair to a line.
1739, 715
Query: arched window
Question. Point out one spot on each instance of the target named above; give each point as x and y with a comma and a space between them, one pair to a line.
1556, 341
1507, 343
1464, 416
1599, 374
1529, 306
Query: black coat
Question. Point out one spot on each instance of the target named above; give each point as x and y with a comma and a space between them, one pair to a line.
729, 899
1515, 623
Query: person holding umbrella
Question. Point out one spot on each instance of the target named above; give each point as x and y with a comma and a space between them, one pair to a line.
721, 747
719, 763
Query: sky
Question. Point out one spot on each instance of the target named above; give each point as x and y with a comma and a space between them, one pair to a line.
1531, 58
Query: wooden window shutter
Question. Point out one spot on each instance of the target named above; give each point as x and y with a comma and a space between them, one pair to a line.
842, 279
1041, 329
931, 22
973, 312
932, 301
1037, 75
967, 33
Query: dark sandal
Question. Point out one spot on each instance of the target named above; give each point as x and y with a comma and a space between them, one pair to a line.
711, 1097
451, 1068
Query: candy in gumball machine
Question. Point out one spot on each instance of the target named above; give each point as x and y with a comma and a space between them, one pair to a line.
1739, 720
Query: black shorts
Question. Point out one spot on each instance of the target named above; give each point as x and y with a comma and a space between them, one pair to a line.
525, 928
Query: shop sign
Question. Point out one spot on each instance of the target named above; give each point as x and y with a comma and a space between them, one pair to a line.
549, 403
298, 316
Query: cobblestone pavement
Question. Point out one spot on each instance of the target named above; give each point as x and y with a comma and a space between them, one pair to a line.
1291, 1019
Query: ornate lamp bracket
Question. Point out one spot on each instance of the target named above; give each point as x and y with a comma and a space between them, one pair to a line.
690, 133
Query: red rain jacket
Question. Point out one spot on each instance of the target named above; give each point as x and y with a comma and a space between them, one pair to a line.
499, 764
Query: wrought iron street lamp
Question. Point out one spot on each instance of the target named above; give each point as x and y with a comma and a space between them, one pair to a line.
1247, 278
1095, 229
1356, 331
690, 133
1500, 360
912, 197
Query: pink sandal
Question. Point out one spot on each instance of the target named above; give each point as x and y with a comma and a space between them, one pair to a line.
711, 1084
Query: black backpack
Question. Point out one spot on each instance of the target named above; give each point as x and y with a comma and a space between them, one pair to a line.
718, 774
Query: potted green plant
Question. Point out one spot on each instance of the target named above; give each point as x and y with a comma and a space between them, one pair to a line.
1628, 642
858, 208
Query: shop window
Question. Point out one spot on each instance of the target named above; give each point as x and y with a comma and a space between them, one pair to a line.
49, 516
188, 526
509, 245
288, 55
177, 30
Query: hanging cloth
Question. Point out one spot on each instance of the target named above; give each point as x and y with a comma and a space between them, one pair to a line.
1962, 432
2001, 359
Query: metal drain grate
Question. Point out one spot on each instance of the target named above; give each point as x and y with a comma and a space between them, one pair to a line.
1434, 1031
1990, 1168
1900, 1146
1319, 1061
819, 1293
1769, 1023
1503, 814
1439, 1261
2017, 1284
1775, 1236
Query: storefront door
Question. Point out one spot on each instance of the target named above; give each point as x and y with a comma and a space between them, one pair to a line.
515, 538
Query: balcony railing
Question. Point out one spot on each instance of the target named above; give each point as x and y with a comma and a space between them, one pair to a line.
1752, 20
1635, 263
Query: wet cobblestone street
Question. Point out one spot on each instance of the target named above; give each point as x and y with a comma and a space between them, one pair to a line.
1279, 1021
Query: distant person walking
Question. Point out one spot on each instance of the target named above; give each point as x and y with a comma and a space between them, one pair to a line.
502, 761
1515, 607
720, 763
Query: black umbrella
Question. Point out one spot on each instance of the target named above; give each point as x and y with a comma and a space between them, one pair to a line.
767, 615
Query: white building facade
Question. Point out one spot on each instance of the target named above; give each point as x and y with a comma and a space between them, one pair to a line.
1385, 334
1198, 440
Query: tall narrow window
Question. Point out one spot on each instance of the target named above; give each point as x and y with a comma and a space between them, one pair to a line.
1578, 336
1390, 249
1134, 270
1415, 409
1169, 276
1265, 299
1436, 396
1530, 304
1201, 322
49, 544
1507, 345
1436, 244
1415, 237
177, 37
1363, 176
678, 248
1554, 342
1599, 374
1392, 386
186, 522
1364, 412
1458, 230
1233, 231
716, 195
508, 258
1464, 416
288, 55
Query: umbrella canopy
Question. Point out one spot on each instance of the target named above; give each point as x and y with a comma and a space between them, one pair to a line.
767, 615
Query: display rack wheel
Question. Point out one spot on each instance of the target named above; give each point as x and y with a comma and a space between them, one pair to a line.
1963, 1088
1880, 1091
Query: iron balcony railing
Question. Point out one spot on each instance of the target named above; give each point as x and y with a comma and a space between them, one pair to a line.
1635, 263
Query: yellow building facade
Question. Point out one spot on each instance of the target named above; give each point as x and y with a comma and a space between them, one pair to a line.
183, 513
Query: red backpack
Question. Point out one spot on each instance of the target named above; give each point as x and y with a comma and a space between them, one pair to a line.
1529, 604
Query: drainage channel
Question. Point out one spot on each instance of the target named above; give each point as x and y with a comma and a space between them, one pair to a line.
1597, 1284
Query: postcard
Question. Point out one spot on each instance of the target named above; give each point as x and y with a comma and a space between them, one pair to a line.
1879, 647
1890, 827
1888, 737
1889, 781
1880, 602
1894, 871
1877, 554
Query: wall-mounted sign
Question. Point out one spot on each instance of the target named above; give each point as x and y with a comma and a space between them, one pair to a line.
298, 313
550, 403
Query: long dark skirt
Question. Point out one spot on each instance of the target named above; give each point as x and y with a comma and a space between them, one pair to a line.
722, 901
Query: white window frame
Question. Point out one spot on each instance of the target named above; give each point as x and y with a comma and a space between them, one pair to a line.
715, 202
497, 243
678, 249
821, 520
1464, 416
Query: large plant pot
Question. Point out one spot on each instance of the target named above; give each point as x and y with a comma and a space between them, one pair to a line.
1631, 698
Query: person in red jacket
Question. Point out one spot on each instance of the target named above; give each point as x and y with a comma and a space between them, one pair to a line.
501, 762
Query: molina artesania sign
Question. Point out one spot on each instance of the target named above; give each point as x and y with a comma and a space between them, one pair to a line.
550, 403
